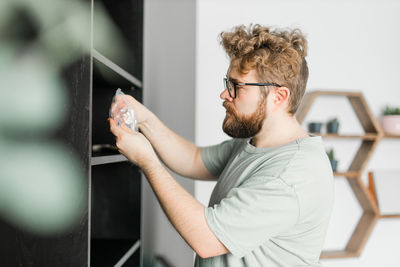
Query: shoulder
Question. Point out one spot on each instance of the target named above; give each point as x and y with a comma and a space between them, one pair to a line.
304, 158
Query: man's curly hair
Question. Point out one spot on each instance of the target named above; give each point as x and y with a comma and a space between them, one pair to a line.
277, 56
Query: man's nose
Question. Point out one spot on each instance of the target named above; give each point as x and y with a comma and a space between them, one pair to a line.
225, 95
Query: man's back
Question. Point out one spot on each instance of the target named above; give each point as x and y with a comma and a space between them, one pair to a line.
271, 206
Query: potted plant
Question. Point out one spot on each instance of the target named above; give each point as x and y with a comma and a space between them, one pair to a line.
390, 121
332, 126
314, 127
331, 156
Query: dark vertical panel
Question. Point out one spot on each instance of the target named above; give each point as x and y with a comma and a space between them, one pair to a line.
75, 132
19, 248
8, 245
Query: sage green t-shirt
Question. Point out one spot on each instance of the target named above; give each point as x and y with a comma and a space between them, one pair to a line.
271, 206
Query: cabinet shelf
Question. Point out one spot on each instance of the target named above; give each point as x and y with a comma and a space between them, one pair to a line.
389, 216
391, 136
332, 254
128, 254
111, 252
367, 136
117, 69
125, 45
349, 174
108, 159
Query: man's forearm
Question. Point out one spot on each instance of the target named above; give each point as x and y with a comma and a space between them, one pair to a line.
184, 211
179, 154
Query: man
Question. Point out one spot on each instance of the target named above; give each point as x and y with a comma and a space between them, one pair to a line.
273, 199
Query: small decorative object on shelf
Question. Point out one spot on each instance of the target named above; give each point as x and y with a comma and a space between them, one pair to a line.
390, 121
332, 126
314, 127
331, 156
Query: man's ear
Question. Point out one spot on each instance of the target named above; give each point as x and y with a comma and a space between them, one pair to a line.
281, 95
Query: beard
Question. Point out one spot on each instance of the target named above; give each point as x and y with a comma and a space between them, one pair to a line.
244, 126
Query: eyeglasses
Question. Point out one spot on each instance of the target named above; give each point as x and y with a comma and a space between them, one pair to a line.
232, 85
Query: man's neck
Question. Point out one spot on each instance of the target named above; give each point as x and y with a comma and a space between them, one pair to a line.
277, 131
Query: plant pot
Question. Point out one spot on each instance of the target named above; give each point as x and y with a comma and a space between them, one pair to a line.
391, 124
332, 127
314, 127
334, 164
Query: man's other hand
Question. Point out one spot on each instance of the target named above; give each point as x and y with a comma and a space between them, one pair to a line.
133, 145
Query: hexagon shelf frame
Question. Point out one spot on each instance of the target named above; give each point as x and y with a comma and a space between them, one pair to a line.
370, 139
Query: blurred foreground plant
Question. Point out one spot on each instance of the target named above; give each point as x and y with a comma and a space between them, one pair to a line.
42, 185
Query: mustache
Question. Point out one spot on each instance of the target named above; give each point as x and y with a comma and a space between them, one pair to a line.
229, 107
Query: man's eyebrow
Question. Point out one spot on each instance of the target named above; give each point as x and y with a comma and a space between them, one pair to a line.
233, 79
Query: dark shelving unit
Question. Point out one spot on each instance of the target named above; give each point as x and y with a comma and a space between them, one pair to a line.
115, 195
109, 231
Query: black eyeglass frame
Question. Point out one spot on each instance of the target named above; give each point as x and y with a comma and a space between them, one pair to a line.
227, 80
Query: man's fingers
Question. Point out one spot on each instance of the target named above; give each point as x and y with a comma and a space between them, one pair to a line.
118, 131
126, 128
114, 127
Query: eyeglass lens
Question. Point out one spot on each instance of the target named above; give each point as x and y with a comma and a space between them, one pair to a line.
230, 86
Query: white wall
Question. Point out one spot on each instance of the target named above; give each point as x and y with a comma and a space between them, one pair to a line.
353, 45
169, 75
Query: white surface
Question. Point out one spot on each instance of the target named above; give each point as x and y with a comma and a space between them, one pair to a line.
381, 250
168, 82
387, 186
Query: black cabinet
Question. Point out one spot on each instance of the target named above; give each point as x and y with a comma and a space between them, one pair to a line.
108, 233
115, 184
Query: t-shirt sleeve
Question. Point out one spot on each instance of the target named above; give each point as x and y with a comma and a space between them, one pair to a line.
252, 213
216, 157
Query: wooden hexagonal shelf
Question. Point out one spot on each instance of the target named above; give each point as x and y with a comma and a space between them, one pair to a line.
371, 137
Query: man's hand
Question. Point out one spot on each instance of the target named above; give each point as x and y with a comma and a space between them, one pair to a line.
141, 112
179, 154
133, 145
